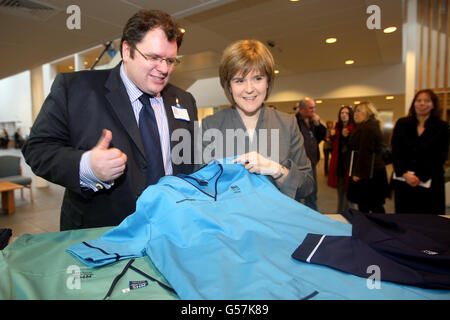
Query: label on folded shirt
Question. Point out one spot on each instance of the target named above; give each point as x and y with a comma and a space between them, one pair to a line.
138, 284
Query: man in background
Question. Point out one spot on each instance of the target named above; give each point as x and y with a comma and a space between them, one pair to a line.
313, 132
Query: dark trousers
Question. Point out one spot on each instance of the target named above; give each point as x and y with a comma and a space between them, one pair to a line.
326, 155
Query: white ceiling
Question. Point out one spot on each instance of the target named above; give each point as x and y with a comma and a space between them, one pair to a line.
297, 30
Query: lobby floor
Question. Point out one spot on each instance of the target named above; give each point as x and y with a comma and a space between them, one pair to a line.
42, 215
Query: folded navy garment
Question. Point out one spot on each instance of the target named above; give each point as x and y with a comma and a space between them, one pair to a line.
409, 249
5, 234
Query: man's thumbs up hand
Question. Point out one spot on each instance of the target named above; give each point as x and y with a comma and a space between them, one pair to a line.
107, 163
105, 140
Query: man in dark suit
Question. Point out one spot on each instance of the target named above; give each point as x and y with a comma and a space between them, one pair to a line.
313, 132
88, 135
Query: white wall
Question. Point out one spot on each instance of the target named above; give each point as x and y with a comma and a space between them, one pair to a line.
15, 101
208, 93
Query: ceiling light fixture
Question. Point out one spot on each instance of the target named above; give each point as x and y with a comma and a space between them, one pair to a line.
319, 101
356, 102
349, 61
389, 97
331, 40
182, 30
390, 29
276, 71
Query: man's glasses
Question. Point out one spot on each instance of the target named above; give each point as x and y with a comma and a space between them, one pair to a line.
154, 59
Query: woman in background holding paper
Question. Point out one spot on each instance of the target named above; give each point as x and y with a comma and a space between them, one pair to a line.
420, 148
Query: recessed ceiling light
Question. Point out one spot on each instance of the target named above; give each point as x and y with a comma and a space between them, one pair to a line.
390, 29
318, 101
276, 71
389, 97
293, 0
331, 40
356, 102
349, 62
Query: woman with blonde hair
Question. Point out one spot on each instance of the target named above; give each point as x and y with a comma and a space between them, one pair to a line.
247, 75
368, 178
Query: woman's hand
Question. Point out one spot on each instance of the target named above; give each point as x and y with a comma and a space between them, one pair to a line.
256, 163
345, 132
411, 179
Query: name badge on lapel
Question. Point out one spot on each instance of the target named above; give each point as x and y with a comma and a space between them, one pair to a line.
180, 113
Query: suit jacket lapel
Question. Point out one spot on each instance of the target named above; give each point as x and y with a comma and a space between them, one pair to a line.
121, 105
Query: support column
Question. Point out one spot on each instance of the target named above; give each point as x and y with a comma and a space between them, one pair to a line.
48, 75
79, 62
37, 99
412, 43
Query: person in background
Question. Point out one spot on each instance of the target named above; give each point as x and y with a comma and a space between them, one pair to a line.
4, 138
313, 133
18, 139
327, 146
419, 149
247, 75
338, 171
105, 134
368, 185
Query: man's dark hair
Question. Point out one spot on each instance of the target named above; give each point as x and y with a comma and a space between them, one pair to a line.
350, 116
145, 20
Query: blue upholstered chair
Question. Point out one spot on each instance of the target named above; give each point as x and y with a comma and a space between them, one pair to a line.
10, 170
